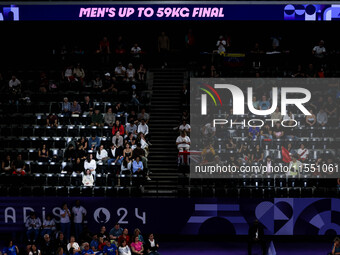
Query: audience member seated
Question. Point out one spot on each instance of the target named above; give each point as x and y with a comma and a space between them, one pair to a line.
141, 72
118, 140
137, 246
61, 242
52, 120
102, 155
126, 166
97, 84
88, 179
151, 245
130, 127
143, 115
244, 153
108, 84
109, 249
124, 249
185, 127
43, 154
264, 103
81, 153
78, 166
97, 119
135, 51
278, 132
295, 166
143, 128
115, 155
94, 142
115, 232
47, 246
87, 105
73, 244
310, 119
83, 141
48, 226
7, 165
79, 73
257, 154
87, 250
322, 117
120, 72
109, 118
66, 108
124, 236
254, 133
276, 115
19, 166
231, 145
70, 154
137, 166
11, 249
336, 247
117, 127
127, 152
94, 243
303, 153
183, 142
90, 164
130, 73
32, 224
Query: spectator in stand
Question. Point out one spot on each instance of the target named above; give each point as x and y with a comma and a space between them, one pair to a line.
257, 154
322, 117
130, 73
109, 118
143, 142
79, 73
143, 115
97, 119
67, 74
130, 127
303, 153
52, 120
90, 164
73, 244
256, 103
127, 152
310, 72
137, 246
299, 72
221, 45
117, 127
115, 232
136, 51
310, 119
163, 48
276, 115
231, 145
124, 236
115, 155
143, 128
81, 153
14, 90
94, 243
254, 133
32, 224
124, 249
183, 142
336, 246
151, 245
60, 251
120, 45
103, 233
278, 131
138, 233
319, 53
244, 153
126, 166
19, 166
118, 140
264, 103
65, 221
108, 84
266, 133
104, 50
7, 165
87, 105
86, 250
11, 249
109, 249
75, 108
97, 83
119, 109
79, 213
43, 154
141, 72
61, 242
102, 155
120, 72
294, 166
70, 153
185, 127
66, 108
137, 166
47, 246
330, 107
101, 244
48, 226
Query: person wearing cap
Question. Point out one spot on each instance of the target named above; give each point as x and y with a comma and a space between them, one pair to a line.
108, 84
115, 232
120, 72
130, 73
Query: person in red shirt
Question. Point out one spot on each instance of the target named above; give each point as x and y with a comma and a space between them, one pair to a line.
101, 243
117, 127
125, 236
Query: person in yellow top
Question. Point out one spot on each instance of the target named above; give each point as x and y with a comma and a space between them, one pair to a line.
295, 166
208, 153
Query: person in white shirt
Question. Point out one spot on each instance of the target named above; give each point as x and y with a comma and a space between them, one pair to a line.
88, 179
14, 83
79, 212
120, 71
303, 152
183, 142
185, 126
135, 51
33, 224
34, 250
124, 249
143, 127
73, 244
90, 164
48, 225
130, 73
126, 166
65, 221
102, 155
221, 43
319, 51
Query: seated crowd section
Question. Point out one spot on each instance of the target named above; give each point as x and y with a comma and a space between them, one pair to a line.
89, 108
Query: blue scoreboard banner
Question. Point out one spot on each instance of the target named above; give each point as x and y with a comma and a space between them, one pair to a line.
302, 12
279, 216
